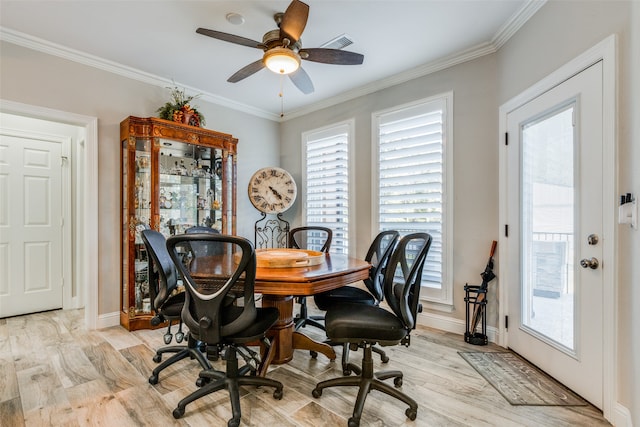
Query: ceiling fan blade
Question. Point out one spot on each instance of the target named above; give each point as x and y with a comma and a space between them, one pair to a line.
294, 20
331, 56
231, 38
301, 79
246, 71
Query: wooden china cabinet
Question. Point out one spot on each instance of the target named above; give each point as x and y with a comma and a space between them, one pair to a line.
174, 176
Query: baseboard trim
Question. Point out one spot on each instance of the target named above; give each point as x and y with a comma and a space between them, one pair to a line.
450, 324
621, 416
108, 320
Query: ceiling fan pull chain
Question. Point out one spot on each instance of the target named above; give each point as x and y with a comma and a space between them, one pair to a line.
281, 95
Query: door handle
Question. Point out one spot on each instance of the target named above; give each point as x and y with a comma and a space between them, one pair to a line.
591, 263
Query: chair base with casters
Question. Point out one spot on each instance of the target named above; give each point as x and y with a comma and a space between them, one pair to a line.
366, 379
191, 350
234, 377
348, 367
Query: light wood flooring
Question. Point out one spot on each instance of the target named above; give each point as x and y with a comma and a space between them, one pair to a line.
53, 372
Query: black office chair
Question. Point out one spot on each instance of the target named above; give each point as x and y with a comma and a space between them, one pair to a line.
362, 326
215, 320
378, 256
204, 250
316, 239
167, 304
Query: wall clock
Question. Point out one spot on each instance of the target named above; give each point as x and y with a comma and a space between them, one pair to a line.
272, 190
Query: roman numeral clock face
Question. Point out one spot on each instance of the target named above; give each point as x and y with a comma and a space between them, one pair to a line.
272, 190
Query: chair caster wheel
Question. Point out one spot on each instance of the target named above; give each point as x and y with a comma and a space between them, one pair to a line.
314, 354
201, 381
277, 394
353, 422
153, 379
316, 392
178, 412
346, 372
411, 413
157, 358
385, 359
233, 422
397, 381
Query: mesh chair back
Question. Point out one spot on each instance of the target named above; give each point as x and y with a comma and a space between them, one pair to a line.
313, 238
208, 249
212, 282
163, 277
378, 256
403, 276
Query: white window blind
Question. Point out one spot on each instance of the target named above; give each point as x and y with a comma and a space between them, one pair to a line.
327, 182
411, 183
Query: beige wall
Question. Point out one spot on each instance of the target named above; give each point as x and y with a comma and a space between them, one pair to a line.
38, 79
475, 153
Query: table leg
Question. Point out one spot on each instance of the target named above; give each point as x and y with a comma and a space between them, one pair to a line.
283, 338
281, 334
303, 342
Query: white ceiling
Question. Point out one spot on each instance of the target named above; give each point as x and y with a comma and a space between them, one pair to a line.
155, 41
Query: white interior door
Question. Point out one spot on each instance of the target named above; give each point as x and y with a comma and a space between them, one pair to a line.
555, 216
31, 239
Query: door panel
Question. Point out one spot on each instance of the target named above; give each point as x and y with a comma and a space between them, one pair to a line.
555, 205
31, 245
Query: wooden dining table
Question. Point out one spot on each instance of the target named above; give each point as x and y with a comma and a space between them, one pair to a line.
279, 287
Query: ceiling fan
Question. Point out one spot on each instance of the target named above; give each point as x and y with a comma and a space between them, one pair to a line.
283, 49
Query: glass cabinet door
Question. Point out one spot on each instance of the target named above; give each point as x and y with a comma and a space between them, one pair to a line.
190, 189
136, 174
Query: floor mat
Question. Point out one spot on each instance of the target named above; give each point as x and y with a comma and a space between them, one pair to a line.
520, 382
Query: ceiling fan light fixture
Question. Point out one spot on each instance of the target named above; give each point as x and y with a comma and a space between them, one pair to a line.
281, 60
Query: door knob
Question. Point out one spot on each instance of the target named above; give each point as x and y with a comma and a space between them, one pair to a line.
589, 263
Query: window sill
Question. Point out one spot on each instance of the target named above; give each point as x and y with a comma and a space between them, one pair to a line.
437, 306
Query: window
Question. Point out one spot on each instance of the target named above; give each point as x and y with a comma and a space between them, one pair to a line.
413, 188
326, 181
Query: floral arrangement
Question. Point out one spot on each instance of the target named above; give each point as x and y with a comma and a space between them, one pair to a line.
179, 108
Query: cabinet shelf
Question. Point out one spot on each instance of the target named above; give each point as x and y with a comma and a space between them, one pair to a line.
152, 149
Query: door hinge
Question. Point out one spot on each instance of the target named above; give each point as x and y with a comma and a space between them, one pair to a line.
506, 138
506, 322
506, 230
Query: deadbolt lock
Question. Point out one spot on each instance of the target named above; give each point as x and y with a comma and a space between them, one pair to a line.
592, 239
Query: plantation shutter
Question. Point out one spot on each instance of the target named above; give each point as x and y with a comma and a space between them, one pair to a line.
327, 183
411, 178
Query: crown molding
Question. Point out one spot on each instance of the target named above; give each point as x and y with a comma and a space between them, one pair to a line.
516, 21
414, 73
512, 26
64, 52
499, 39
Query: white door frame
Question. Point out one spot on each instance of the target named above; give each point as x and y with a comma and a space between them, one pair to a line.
87, 198
604, 51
